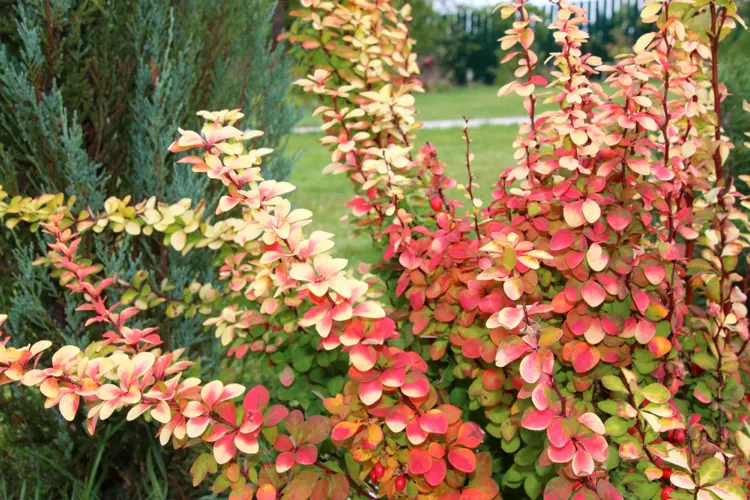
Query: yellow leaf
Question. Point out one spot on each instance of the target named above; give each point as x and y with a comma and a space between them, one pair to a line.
650, 10
591, 211
579, 137
643, 42
178, 240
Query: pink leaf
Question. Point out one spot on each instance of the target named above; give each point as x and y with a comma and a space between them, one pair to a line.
256, 398
419, 461
416, 386
370, 392
211, 392
531, 368
470, 435
462, 459
510, 350
513, 288
591, 211
596, 445
414, 433
434, 421
560, 431
306, 455
593, 422
284, 461
286, 376
561, 240
436, 474
585, 357
69, 406
274, 415
509, 318
396, 420
563, 454
618, 218
583, 464
645, 331
593, 293
655, 272
247, 443
224, 449
344, 430
537, 420
363, 357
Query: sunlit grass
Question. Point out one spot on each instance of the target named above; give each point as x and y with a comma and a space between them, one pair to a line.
453, 104
325, 195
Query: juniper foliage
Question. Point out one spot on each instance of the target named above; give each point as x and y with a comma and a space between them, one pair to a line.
90, 95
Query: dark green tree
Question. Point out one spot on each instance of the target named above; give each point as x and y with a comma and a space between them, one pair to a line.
91, 92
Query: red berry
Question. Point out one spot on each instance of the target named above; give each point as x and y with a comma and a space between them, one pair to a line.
373, 476
400, 483
379, 470
678, 437
666, 492
633, 431
666, 473
436, 203
696, 370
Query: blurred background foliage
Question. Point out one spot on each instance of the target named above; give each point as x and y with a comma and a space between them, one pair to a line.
91, 94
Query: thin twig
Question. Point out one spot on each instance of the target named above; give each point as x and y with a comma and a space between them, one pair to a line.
469, 187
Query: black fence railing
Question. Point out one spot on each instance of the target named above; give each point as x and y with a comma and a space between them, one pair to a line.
614, 24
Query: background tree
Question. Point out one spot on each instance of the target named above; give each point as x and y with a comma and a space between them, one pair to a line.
91, 93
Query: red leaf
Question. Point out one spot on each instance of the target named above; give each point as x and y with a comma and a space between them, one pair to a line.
561, 240
462, 459
584, 357
419, 461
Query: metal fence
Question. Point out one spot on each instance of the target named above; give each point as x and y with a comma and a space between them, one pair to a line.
477, 32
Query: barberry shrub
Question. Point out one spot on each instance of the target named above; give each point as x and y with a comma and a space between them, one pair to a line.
583, 334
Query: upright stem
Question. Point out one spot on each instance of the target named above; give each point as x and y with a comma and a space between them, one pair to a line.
469, 187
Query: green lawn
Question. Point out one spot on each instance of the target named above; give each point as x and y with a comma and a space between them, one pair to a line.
325, 195
454, 103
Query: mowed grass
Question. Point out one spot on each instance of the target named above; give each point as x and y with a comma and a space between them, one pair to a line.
455, 103
326, 194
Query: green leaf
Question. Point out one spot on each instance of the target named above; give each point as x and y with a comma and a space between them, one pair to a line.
512, 445
498, 415
613, 458
608, 406
512, 478
459, 397
302, 363
616, 426
705, 361
335, 385
129, 295
527, 456
613, 383
647, 490
532, 486
411, 489
656, 393
727, 490
352, 466
663, 329
710, 471
494, 430
204, 464
703, 393
221, 484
